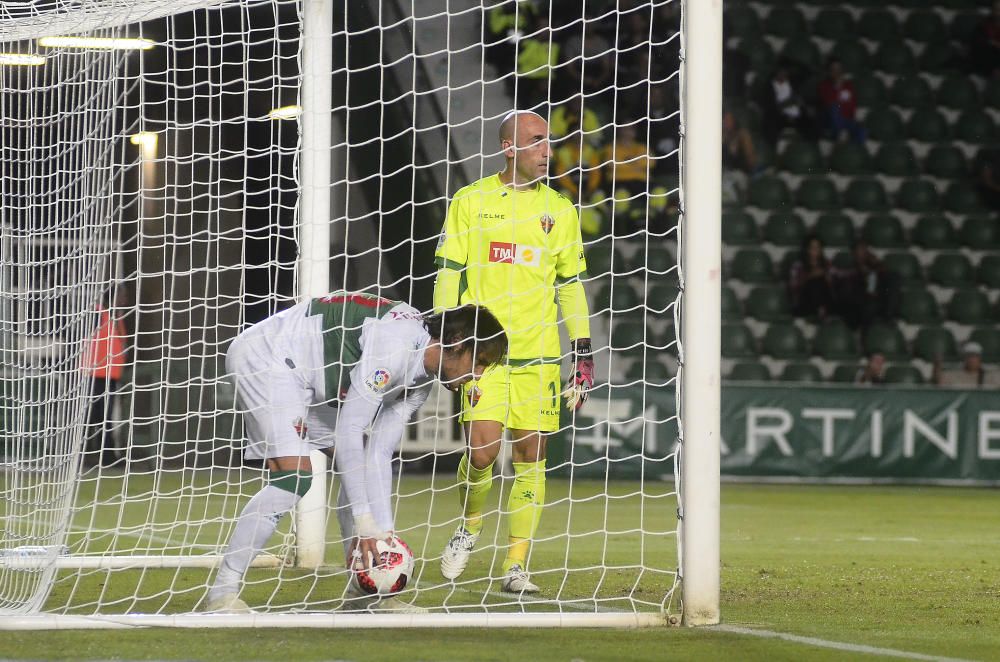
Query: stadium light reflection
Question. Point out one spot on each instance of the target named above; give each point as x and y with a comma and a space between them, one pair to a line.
118, 44
285, 113
21, 60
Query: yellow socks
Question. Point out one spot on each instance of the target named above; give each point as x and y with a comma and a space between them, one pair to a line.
527, 496
473, 488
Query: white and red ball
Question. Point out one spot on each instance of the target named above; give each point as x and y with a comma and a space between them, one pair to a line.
390, 571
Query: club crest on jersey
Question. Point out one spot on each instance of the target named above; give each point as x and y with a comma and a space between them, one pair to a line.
547, 223
378, 381
474, 394
504, 253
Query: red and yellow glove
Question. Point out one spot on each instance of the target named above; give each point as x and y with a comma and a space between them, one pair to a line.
582, 380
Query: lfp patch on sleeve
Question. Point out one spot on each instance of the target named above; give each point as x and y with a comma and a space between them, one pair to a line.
377, 382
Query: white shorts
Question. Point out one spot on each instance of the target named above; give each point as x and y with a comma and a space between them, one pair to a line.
279, 406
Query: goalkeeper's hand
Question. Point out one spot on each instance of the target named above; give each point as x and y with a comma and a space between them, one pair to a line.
582, 380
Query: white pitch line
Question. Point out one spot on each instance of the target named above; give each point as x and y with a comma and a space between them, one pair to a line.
836, 645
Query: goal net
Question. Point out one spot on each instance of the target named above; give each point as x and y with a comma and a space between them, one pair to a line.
174, 172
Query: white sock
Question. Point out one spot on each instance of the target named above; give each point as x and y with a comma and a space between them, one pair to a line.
257, 522
346, 518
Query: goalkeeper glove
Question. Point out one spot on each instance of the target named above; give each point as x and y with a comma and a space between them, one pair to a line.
582, 380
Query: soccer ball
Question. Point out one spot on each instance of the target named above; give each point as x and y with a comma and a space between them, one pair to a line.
390, 571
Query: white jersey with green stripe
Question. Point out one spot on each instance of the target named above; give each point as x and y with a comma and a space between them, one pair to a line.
512, 248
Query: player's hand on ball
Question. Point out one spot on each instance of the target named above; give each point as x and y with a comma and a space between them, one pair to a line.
582, 380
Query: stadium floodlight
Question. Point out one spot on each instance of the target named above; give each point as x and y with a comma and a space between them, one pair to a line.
20, 60
99, 43
146, 140
285, 112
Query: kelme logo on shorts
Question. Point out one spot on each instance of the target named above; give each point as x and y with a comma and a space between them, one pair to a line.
504, 253
474, 394
378, 381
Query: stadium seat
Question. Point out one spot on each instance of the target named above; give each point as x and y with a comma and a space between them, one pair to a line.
660, 297
927, 125
802, 50
737, 342
935, 341
599, 259
651, 372
769, 193
925, 26
818, 194
845, 373
784, 229
801, 372
963, 25
988, 338
903, 374
785, 22
958, 92
848, 158
662, 341
870, 89
886, 339
975, 126
946, 161
732, 309
991, 95
768, 303
934, 231
835, 230
918, 306
918, 196
905, 265
962, 197
784, 341
893, 56
628, 338
750, 372
884, 231
659, 257
979, 232
988, 271
833, 23
940, 58
878, 25
896, 159
854, 55
866, 195
758, 52
951, 270
969, 305
911, 92
801, 158
738, 228
884, 123
752, 266
741, 20
835, 342
620, 297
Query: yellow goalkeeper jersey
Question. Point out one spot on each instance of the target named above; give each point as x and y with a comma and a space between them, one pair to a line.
512, 248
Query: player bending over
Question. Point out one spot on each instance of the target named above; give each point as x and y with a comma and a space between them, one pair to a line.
512, 244
319, 375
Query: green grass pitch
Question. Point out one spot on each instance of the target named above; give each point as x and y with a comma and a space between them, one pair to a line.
903, 568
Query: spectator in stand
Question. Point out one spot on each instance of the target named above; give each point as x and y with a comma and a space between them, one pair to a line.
866, 291
589, 64
537, 54
505, 24
571, 116
839, 104
739, 158
810, 281
576, 164
872, 371
984, 47
784, 108
103, 362
972, 374
988, 176
631, 163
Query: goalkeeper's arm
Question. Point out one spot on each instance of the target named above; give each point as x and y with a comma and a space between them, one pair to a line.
446, 287
576, 313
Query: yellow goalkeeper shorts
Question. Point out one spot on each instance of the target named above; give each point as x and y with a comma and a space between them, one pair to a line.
520, 398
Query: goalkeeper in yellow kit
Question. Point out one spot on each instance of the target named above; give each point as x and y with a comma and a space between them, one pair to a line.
512, 244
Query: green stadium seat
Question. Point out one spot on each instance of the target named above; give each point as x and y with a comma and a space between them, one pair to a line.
619, 296
845, 373
962, 197
854, 56
784, 229
866, 195
870, 89
988, 338
835, 230
884, 231
662, 341
803, 51
958, 92
975, 126
940, 57
802, 158
785, 22
903, 374
758, 51
988, 271
934, 231
752, 265
886, 339
848, 158
801, 372
737, 341
927, 125
660, 298
963, 25
784, 341
659, 258
935, 341
750, 372
769, 193
911, 92
732, 309
951, 270
768, 303
738, 228
884, 123
991, 95
925, 26
905, 265
979, 232
600, 258
918, 196
878, 25
946, 161
834, 23
650, 372
740, 20
969, 305
628, 339
918, 306
896, 159
893, 56
835, 342
818, 194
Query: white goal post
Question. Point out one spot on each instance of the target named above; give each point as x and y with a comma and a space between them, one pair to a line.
184, 169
